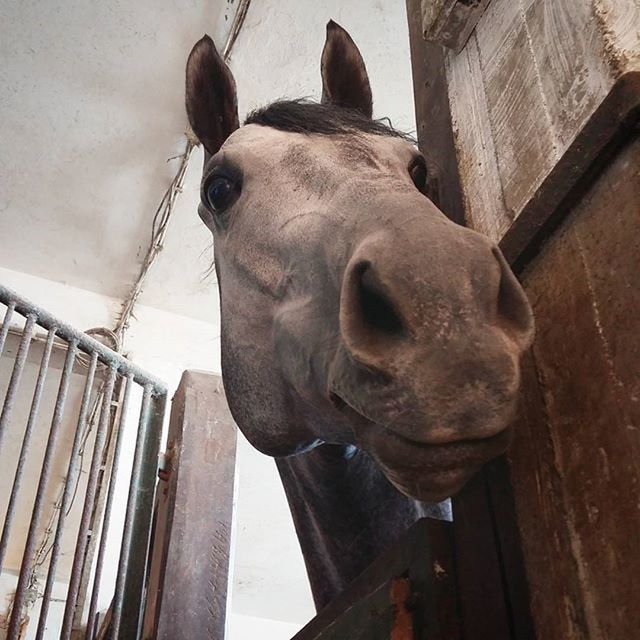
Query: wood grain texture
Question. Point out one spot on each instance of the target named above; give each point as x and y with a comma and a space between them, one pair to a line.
451, 22
551, 69
576, 462
565, 43
433, 118
619, 21
477, 159
520, 122
190, 567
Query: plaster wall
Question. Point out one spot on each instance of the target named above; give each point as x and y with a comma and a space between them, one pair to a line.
246, 627
277, 54
91, 108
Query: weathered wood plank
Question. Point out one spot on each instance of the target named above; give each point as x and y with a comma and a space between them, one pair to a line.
451, 22
565, 43
189, 598
477, 160
609, 127
509, 545
581, 440
554, 588
520, 124
433, 118
430, 575
562, 84
619, 20
483, 602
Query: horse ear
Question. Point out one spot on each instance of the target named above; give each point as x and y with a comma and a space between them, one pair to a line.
344, 77
211, 99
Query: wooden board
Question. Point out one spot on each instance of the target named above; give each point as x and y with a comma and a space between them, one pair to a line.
187, 595
575, 465
450, 22
476, 155
433, 118
540, 90
373, 605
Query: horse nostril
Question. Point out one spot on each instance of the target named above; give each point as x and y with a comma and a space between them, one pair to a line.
513, 305
376, 310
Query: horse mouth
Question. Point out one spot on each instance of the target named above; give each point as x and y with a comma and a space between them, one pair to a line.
423, 470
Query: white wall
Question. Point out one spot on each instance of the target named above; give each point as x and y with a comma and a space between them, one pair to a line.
277, 54
248, 627
8, 582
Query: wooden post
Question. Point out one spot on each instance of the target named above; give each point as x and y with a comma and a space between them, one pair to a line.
450, 22
189, 571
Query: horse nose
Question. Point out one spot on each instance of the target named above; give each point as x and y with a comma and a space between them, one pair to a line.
371, 315
513, 309
382, 307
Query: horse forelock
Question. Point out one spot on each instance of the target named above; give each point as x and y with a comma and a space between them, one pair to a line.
305, 116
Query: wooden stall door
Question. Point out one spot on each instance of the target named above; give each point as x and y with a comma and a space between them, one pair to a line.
576, 463
532, 132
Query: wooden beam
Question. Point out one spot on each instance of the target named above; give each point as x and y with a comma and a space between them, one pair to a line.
433, 118
187, 595
422, 560
541, 93
450, 22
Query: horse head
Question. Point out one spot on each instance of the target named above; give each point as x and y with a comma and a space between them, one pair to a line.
353, 310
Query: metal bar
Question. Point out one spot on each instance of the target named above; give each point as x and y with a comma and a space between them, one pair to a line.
85, 343
16, 374
5, 324
91, 626
107, 467
26, 441
83, 531
26, 567
69, 488
129, 593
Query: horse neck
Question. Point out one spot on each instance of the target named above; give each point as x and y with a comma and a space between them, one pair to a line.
345, 513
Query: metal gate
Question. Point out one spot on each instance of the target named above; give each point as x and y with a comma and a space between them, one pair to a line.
109, 389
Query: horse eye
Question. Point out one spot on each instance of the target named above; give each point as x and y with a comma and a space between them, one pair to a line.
220, 192
418, 173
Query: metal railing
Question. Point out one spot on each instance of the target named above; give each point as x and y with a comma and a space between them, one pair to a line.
105, 404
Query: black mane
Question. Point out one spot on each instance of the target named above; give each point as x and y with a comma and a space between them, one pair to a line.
305, 116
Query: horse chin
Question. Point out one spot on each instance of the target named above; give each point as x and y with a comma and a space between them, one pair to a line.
429, 488
431, 473
277, 447
426, 472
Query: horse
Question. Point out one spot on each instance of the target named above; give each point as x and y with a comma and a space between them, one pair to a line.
369, 344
